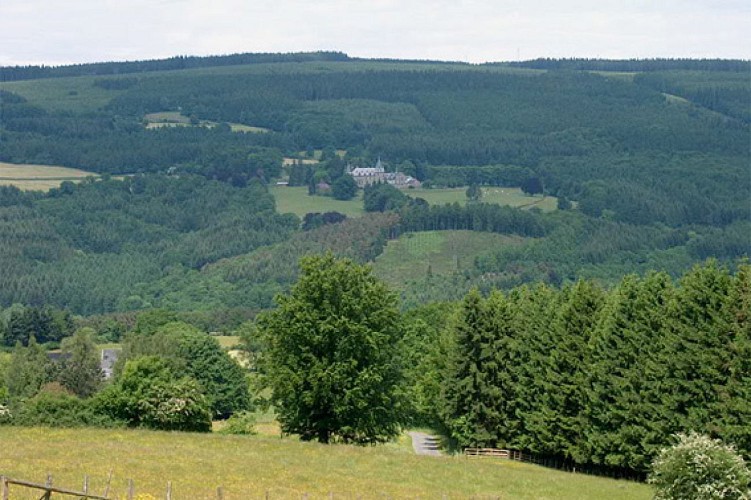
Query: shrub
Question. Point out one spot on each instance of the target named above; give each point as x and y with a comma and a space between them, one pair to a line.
242, 422
700, 467
150, 394
59, 409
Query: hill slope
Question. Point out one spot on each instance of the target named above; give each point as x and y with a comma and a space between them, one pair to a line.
248, 467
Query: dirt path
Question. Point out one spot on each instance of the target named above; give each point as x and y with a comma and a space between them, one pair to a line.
424, 444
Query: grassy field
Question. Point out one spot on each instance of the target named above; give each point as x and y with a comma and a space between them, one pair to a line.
78, 94
177, 119
297, 201
39, 177
252, 466
445, 252
513, 197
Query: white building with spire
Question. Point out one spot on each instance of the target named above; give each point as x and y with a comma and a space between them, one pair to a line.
364, 176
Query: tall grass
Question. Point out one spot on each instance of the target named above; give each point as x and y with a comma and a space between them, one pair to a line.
250, 466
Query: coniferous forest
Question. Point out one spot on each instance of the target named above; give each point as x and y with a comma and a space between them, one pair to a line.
614, 321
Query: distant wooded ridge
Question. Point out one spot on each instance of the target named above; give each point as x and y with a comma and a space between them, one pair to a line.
14, 73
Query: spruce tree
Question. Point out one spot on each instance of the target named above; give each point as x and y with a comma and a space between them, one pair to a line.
566, 369
626, 420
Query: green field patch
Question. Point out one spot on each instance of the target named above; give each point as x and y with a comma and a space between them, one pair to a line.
296, 200
39, 177
77, 94
415, 255
257, 466
177, 119
513, 197
287, 161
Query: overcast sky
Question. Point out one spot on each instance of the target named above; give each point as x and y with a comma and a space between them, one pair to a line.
72, 31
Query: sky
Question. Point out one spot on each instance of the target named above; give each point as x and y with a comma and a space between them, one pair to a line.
55, 32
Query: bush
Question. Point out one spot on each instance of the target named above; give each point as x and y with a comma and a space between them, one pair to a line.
242, 422
59, 409
702, 468
150, 394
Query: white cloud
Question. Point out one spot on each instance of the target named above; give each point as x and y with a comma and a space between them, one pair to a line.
55, 32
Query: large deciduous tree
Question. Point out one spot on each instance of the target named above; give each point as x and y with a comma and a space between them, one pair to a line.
332, 354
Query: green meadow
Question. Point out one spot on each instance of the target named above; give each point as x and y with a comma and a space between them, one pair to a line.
297, 201
413, 255
265, 466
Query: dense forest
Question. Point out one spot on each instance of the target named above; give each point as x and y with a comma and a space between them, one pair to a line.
648, 161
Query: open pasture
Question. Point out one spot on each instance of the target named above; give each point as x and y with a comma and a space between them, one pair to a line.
39, 177
253, 466
297, 201
443, 252
513, 197
177, 119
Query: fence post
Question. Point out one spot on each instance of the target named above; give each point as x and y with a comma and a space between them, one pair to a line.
169, 490
131, 489
107, 489
4, 487
86, 485
219, 493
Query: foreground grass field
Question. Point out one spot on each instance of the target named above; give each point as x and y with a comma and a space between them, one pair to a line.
249, 467
39, 177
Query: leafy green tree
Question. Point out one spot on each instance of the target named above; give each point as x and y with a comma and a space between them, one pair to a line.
700, 467
532, 186
151, 393
81, 372
29, 370
4, 367
199, 356
344, 188
474, 192
332, 354
381, 197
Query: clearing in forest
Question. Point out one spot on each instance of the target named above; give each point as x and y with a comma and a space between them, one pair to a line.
177, 119
413, 255
39, 177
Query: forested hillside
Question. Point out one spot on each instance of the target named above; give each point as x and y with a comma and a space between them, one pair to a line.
648, 159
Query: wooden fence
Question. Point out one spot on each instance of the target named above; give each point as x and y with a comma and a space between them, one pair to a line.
84, 494
48, 489
556, 463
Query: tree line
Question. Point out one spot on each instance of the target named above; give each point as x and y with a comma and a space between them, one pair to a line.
600, 377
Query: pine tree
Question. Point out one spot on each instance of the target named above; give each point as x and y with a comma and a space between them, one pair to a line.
702, 353
566, 368
626, 420
732, 410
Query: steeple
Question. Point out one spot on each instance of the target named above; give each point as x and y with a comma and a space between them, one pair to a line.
379, 165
